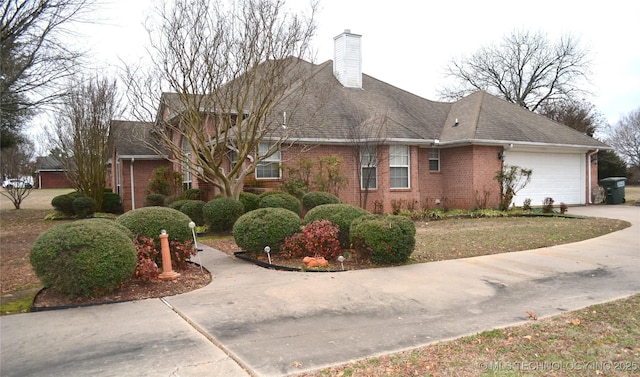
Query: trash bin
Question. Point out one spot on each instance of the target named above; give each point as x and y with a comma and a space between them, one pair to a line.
614, 189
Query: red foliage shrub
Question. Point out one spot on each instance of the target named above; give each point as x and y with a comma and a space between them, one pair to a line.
318, 239
181, 252
146, 268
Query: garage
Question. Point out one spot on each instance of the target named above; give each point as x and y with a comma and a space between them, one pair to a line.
560, 176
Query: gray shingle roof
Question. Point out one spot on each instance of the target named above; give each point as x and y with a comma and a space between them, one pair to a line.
327, 112
49, 163
134, 138
481, 116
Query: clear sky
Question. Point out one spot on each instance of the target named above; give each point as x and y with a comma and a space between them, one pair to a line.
407, 43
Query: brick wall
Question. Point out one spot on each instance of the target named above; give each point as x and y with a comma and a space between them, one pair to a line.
464, 180
142, 172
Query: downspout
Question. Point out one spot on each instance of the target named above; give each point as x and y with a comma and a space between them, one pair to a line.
133, 195
590, 200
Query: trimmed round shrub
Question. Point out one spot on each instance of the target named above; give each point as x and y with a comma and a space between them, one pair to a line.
150, 221
83, 206
177, 204
279, 199
64, 204
250, 201
221, 213
340, 214
265, 227
111, 203
317, 198
388, 239
193, 194
84, 258
193, 209
154, 200
110, 223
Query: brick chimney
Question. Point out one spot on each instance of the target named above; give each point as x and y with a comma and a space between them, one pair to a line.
347, 62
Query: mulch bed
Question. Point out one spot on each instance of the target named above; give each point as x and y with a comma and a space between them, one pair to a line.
191, 278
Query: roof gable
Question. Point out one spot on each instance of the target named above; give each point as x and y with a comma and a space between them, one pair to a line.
487, 118
134, 139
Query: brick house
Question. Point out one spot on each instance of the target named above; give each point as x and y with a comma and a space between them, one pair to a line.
132, 162
401, 148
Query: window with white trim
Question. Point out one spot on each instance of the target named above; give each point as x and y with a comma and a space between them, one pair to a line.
233, 158
369, 167
268, 168
434, 159
186, 169
399, 166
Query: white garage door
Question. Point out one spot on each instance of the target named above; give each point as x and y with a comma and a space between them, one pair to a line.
557, 175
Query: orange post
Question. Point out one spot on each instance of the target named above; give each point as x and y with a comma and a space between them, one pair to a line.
167, 270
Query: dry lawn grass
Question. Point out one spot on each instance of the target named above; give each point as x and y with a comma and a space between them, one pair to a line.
601, 340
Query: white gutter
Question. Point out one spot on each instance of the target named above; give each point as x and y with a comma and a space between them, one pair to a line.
133, 195
142, 157
430, 142
589, 164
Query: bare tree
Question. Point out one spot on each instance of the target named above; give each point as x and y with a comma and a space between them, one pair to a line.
525, 68
17, 194
17, 163
580, 115
367, 133
83, 133
236, 76
34, 61
624, 137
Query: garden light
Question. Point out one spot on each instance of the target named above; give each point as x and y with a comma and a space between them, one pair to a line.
341, 260
267, 250
192, 225
167, 271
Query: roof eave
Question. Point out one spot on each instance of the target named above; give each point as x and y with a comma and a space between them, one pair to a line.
523, 144
140, 157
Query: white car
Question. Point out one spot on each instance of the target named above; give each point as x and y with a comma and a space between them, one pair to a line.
16, 183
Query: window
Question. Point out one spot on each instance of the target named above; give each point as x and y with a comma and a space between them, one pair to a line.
399, 166
369, 167
434, 159
270, 166
186, 163
233, 158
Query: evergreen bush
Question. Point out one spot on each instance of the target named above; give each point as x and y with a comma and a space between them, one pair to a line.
265, 227
340, 214
386, 239
150, 221
193, 194
193, 209
111, 203
156, 200
250, 201
316, 198
84, 258
64, 204
280, 199
220, 214
177, 204
83, 206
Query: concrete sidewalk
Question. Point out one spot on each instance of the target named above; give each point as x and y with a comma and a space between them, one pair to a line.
253, 321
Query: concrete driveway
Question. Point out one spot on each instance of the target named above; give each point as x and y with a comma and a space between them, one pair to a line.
253, 321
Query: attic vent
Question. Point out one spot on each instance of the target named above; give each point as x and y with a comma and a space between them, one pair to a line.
347, 62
